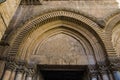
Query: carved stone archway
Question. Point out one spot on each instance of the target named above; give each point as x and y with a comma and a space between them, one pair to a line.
37, 42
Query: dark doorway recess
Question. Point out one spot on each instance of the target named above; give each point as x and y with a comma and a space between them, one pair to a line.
64, 73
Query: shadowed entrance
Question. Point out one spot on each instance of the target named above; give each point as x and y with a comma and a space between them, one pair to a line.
64, 72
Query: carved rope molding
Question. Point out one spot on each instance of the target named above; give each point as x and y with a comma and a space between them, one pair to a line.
30, 26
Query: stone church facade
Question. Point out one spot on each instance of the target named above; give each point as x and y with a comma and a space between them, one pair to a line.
44, 39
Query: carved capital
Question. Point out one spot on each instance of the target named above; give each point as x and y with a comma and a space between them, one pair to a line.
31, 69
11, 66
115, 63
103, 68
93, 70
21, 66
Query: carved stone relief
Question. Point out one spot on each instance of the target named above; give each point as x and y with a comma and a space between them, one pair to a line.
60, 49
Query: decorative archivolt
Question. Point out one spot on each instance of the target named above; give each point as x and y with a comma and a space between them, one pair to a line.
116, 39
109, 32
53, 15
76, 24
49, 43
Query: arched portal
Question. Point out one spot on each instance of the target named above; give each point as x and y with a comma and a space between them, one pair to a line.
60, 38
58, 45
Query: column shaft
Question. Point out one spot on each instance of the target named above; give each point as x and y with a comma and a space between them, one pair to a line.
18, 76
24, 76
7, 75
29, 77
12, 77
105, 76
94, 78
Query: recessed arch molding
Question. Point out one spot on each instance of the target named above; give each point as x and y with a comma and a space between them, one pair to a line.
77, 35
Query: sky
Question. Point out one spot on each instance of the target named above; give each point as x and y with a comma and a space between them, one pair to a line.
118, 2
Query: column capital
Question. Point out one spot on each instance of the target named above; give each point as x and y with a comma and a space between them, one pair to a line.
103, 69
21, 65
93, 72
11, 66
30, 69
114, 63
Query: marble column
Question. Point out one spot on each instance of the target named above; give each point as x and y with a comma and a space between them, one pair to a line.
12, 77
110, 75
24, 76
29, 78
7, 75
94, 78
94, 75
19, 76
105, 76
117, 75
99, 77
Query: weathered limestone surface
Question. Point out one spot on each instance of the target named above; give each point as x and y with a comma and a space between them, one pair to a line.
2, 27
8, 9
90, 8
